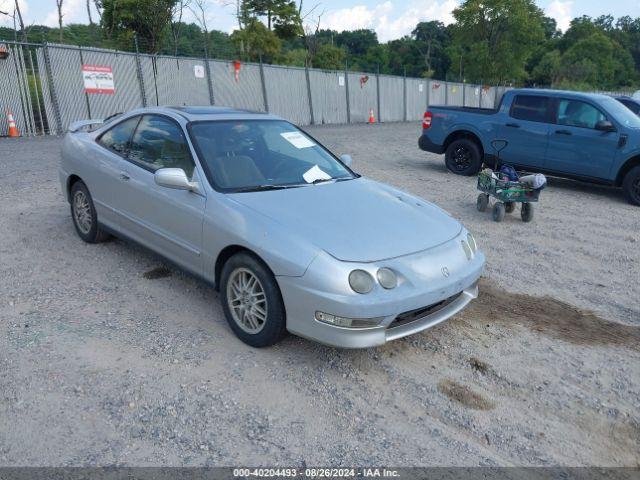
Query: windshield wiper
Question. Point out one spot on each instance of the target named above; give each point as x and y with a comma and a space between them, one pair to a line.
263, 188
322, 180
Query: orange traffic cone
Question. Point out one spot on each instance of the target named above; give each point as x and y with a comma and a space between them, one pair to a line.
372, 118
13, 130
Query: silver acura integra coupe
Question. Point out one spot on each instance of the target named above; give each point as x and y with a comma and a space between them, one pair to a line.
293, 239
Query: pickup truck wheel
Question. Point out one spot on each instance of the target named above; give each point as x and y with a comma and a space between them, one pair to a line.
631, 186
498, 212
463, 157
83, 213
483, 202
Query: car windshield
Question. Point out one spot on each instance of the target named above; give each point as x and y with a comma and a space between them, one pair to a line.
252, 155
621, 113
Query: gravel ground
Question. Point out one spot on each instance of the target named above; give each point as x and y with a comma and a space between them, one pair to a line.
108, 356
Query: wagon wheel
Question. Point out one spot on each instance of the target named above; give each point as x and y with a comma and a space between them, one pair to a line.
498, 212
509, 207
526, 212
483, 202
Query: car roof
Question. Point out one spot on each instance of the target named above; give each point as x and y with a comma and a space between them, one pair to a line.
200, 113
558, 93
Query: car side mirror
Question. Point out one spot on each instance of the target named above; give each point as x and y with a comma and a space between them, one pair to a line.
346, 159
605, 126
173, 178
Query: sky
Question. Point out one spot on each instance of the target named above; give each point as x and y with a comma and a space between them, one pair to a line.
389, 18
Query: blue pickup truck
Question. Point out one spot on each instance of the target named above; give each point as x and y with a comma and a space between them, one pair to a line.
575, 135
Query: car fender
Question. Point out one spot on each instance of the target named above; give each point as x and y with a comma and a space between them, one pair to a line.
467, 127
230, 223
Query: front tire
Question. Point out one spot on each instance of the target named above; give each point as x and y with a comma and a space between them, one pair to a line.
631, 186
498, 212
526, 212
463, 157
83, 213
251, 301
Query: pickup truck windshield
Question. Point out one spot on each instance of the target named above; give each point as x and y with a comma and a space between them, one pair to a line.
621, 113
258, 155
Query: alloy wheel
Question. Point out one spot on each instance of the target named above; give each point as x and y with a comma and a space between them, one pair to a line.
247, 300
82, 212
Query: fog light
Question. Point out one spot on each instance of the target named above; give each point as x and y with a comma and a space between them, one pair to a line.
348, 322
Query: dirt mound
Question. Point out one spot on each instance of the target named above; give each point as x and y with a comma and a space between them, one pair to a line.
551, 317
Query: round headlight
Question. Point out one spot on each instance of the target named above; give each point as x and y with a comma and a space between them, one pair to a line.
472, 243
467, 249
361, 281
387, 278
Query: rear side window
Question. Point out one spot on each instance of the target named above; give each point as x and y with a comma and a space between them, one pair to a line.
532, 108
575, 113
634, 107
160, 143
117, 138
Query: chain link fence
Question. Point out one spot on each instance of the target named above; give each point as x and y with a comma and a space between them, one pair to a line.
48, 86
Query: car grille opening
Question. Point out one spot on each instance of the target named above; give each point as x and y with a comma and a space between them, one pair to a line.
419, 313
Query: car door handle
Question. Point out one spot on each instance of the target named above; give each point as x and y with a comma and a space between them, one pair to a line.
563, 132
513, 125
124, 176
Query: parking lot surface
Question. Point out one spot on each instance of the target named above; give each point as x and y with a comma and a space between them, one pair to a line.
110, 356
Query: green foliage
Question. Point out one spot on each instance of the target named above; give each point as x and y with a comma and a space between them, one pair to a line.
148, 19
255, 41
492, 41
494, 38
281, 16
330, 57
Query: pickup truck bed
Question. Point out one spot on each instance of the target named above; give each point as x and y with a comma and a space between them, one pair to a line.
568, 134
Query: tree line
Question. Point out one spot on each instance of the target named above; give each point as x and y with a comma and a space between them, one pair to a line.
491, 41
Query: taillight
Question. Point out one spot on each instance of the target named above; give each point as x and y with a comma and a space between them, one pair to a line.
426, 121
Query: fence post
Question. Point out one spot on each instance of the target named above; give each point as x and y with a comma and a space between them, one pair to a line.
143, 93
86, 95
428, 87
464, 94
206, 66
346, 84
446, 93
306, 72
378, 93
481, 87
264, 86
404, 95
52, 88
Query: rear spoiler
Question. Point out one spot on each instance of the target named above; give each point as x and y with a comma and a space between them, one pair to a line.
83, 125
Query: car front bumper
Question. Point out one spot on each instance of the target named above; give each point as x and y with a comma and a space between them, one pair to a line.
424, 298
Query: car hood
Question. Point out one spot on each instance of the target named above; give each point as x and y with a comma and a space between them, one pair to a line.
357, 220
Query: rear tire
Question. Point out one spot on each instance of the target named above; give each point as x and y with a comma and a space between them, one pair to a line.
631, 186
509, 207
463, 157
526, 212
251, 301
83, 213
498, 212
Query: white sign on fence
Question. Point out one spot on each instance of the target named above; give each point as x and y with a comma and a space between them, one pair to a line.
341, 80
98, 79
198, 70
